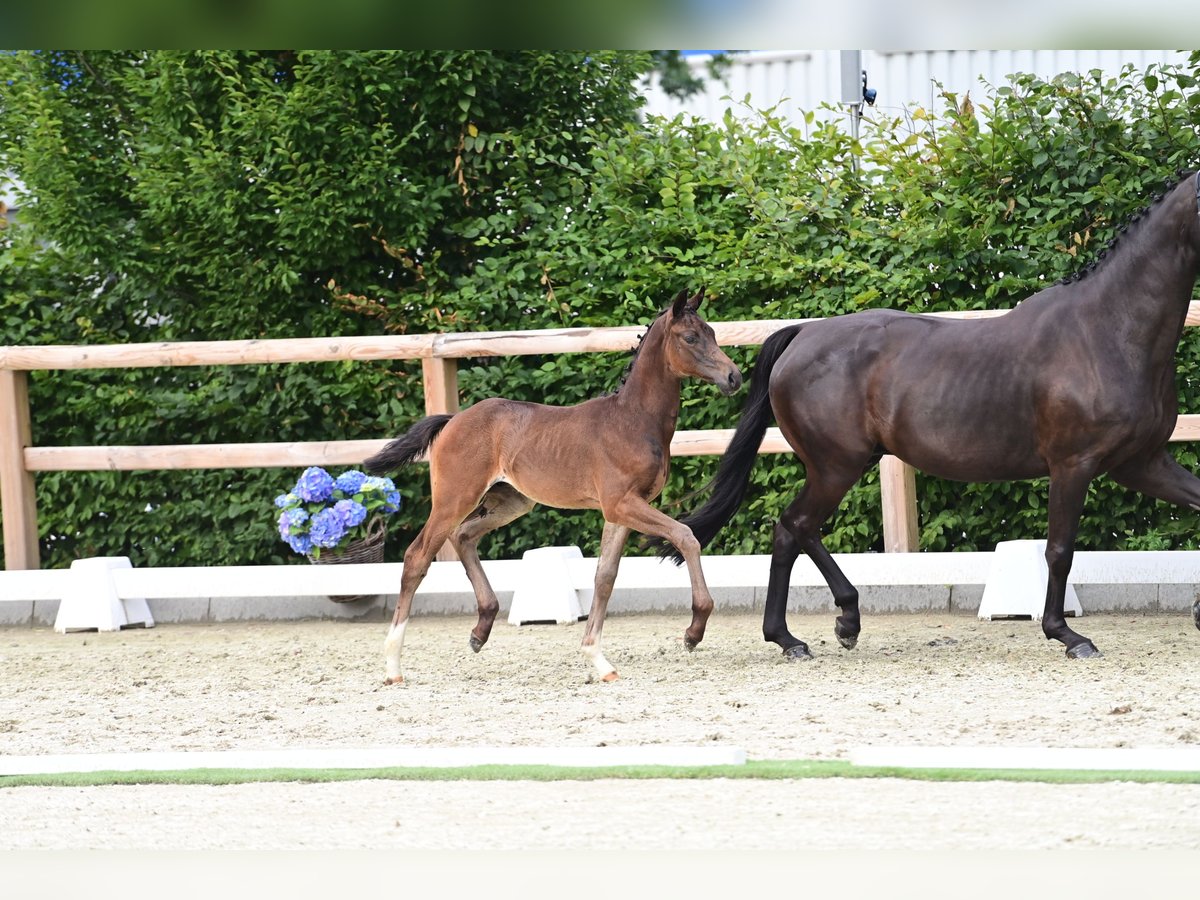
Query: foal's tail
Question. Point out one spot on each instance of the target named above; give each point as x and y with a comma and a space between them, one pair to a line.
733, 475
406, 448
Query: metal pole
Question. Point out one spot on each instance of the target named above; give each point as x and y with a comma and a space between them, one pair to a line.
852, 92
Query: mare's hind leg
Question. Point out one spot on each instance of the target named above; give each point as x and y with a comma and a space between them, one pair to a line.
612, 544
500, 505
799, 529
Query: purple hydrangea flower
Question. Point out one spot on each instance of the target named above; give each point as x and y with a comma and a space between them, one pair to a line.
289, 519
315, 485
351, 512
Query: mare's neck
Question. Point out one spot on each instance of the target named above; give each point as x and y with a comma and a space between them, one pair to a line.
1145, 286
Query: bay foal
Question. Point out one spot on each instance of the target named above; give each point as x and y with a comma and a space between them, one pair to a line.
492, 462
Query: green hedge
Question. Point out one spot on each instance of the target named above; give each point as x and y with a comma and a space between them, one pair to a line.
268, 197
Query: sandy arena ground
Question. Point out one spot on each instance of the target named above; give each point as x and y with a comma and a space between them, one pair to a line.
914, 679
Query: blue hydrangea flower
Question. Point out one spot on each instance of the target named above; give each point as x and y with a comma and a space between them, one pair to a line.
327, 528
315, 485
391, 501
301, 543
350, 483
351, 512
285, 500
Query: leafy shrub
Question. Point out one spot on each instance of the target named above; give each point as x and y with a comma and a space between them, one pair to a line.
234, 195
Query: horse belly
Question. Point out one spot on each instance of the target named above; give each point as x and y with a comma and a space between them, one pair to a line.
551, 481
989, 440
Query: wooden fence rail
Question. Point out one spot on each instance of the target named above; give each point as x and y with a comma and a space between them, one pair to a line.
20, 459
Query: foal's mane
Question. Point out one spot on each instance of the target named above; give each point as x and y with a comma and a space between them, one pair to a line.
633, 354
1131, 223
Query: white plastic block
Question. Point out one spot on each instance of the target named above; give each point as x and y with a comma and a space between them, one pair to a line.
1016, 583
90, 601
545, 592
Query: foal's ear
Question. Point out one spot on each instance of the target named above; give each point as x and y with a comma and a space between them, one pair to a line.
678, 304
684, 303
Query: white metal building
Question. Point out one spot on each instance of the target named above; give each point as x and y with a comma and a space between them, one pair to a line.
801, 80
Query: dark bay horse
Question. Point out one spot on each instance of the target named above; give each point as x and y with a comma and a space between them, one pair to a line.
493, 462
1078, 380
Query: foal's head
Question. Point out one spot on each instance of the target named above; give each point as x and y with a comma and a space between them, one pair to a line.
690, 346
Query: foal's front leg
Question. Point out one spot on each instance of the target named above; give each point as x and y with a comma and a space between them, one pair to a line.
612, 545
639, 515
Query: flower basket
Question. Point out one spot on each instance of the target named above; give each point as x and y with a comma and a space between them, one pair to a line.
337, 520
365, 550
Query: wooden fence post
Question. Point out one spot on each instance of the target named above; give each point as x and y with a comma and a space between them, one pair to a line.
441, 385
898, 492
440, 377
17, 497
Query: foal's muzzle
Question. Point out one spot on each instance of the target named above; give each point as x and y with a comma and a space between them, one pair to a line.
731, 383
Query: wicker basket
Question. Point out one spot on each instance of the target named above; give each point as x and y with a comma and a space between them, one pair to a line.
365, 550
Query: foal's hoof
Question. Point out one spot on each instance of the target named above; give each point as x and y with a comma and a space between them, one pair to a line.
1086, 650
476, 643
399, 679
799, 651
1196, 613
611, 676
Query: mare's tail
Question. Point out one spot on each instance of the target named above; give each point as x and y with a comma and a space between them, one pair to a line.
406, 448
733, 475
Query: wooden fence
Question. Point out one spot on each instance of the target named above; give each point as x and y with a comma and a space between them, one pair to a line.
439, 355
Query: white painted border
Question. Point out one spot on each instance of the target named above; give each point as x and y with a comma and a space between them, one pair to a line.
372, 758
863, 569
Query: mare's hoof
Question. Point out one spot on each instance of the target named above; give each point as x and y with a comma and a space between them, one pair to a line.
846, 637
476, 643
800, 651
611, 676
688, 644
1196, 613
1086, 650
399, 679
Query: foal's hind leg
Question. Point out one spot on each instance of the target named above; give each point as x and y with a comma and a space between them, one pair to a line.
500, 505
450, 506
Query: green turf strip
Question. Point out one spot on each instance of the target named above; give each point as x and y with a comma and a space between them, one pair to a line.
762, 769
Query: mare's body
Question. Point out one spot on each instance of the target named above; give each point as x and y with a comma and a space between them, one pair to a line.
1077, 381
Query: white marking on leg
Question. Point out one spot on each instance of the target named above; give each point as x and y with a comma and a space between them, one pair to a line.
392, 645
604, 670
